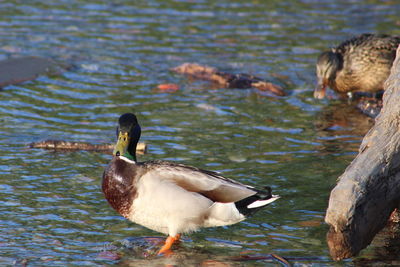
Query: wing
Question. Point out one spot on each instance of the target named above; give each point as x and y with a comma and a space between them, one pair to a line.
209, 184
370, 48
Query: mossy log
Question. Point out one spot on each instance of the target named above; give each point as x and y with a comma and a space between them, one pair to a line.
369, 189
18, 70
240, 81
66, 145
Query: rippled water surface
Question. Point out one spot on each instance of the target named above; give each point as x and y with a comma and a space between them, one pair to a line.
52, 211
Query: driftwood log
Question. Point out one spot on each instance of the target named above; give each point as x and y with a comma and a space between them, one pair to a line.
18, 70
369, 189
66, 145
239, 81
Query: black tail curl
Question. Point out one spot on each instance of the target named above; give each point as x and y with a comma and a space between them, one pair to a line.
241, 205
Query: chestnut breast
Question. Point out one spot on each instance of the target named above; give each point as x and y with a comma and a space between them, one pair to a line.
119, 185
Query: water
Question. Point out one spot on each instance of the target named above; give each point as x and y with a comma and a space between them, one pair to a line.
52, 210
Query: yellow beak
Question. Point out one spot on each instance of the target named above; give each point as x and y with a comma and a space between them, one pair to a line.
121, 147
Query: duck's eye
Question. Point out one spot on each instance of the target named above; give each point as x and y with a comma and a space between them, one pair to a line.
117, 154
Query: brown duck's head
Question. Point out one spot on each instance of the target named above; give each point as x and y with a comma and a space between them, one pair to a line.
328, 64
128, 134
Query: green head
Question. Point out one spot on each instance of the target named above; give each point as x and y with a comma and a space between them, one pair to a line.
128, 134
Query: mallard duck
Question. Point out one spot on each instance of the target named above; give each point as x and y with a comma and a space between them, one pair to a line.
173, 198
359, 64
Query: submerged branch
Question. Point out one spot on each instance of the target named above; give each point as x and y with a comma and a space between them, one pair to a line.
272, 257
240, 80
66, 145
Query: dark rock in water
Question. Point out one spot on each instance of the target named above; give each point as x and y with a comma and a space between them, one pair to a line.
18, 70
370, 107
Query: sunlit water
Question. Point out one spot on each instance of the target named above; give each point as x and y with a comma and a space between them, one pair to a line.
52, 211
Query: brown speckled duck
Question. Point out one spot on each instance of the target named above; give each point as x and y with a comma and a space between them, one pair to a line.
359, 64
173, 198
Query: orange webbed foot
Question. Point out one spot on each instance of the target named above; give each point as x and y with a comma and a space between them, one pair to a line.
166, 249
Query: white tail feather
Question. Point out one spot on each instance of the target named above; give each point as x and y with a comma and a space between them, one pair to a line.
260, 203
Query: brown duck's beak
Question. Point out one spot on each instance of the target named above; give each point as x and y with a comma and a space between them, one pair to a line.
320, 90
122, 144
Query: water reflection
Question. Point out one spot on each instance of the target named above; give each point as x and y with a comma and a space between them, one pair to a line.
142, 251
385, 246
341, 126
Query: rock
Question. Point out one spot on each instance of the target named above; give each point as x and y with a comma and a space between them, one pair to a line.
18, 70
